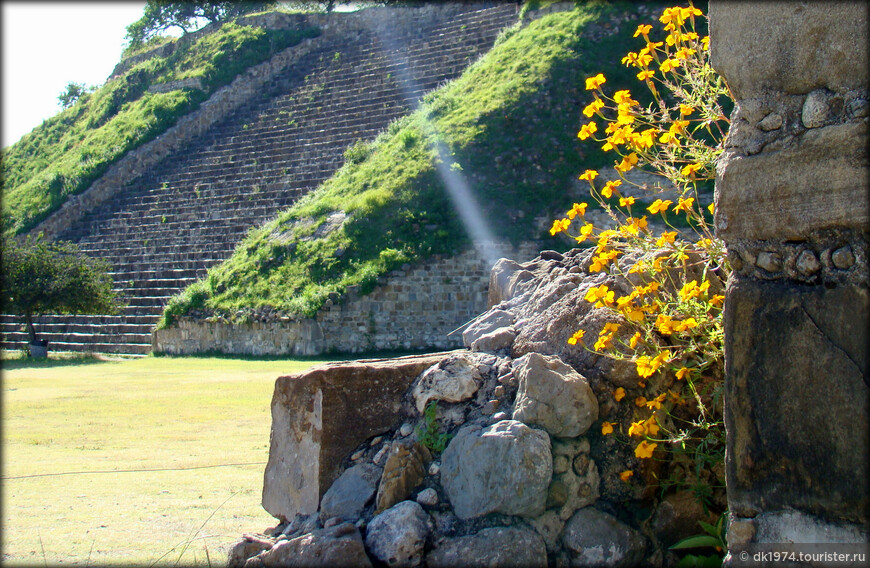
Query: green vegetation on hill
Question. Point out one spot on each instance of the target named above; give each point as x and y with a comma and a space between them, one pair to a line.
69, 151
509, 127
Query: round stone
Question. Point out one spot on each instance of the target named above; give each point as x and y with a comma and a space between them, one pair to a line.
843, 257
807, 263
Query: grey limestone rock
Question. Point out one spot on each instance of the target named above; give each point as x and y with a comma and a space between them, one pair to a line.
595, 538
397, 536
489, 322
498, 546
350, 493
503, 468
340, 545
553, 396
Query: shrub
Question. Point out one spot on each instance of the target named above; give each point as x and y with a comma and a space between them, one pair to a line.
670, 324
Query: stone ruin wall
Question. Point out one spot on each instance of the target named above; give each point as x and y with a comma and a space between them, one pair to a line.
792, 207
414, 307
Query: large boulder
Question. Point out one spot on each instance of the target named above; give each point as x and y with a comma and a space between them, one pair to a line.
595, 538
397, 536
351, 492
341, 545
319, 416
503, 468
553, 396
507, 547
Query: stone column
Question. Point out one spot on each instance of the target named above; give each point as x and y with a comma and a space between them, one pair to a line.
792, 207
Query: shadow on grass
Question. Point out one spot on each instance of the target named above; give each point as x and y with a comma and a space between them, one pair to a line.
322, 357
10, 361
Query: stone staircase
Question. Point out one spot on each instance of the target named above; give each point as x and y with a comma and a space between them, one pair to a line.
167, 227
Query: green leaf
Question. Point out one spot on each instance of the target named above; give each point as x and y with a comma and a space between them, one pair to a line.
698, 541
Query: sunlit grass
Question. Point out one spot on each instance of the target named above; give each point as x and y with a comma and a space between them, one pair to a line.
77, 434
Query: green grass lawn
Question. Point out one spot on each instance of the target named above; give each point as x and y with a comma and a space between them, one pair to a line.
134, 461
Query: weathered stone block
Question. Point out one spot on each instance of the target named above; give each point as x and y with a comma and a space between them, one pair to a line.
820, 182
788, 46
797, 399
321, 415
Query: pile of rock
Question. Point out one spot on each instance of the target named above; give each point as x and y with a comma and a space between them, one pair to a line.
510, 470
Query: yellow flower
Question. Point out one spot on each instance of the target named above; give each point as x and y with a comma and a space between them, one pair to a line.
630, 59
640, 401
624, 98
595, 82
647, 74
607, 190
634, 339
619, 394
686, 324
651, 425
600, 295
717, 300
593, 107
646, 366
678, 126
559, 225
645, 450
589, 175
657, 264
578, 209
665, 324
578, 336
684, 204
585, 231
686, 110
626, 201
689, 12
693, 290
682, 373
655, 403
668, 65
643, 140
642, 29
604, 342
625, 475
637, 429
711, 208
705, 42
669, 138
659, 206
587, 130
666, 238
627, 163
643, 60
606, 428
684, 53
690, 169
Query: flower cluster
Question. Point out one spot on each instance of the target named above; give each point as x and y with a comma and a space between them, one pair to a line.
670, 323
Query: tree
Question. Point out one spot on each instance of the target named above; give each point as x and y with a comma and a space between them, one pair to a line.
56, 277
161, 15
72, 93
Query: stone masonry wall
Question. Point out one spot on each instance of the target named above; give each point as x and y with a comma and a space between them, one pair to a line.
792, 207
413, 307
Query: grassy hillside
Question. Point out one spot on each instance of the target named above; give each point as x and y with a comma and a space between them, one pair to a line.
507, 126
64, 155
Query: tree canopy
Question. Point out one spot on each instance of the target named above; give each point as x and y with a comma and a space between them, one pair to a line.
161, 15
56, 277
